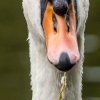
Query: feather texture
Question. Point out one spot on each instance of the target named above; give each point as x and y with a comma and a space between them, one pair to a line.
45, 78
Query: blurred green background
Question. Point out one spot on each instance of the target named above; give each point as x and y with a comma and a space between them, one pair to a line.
14, 60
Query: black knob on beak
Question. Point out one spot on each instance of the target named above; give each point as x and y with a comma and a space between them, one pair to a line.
64, 62
60, 6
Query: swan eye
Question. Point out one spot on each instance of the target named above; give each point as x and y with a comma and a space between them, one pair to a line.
54, 22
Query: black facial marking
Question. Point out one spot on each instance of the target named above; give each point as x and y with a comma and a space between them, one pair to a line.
43, 8
67, 19
76, 13
60, 8
54, 23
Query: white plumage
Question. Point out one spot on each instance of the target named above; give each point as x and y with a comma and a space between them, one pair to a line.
45, 78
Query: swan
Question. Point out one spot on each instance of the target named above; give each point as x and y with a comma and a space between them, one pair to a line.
56, 45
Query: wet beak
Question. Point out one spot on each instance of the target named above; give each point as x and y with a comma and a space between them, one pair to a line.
62, 46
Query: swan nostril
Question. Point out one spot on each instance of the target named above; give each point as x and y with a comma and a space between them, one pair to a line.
64, 62
54, 23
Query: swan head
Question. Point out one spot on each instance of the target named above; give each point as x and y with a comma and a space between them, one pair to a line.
59, 26
59, 22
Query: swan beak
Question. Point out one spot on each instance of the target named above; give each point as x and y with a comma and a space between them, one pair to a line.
61, 44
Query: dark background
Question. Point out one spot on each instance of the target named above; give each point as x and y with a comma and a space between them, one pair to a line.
14, 60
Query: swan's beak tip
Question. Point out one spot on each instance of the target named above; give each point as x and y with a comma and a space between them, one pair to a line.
64, 63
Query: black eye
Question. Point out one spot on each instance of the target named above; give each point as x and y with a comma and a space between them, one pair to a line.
54, 22
60, 6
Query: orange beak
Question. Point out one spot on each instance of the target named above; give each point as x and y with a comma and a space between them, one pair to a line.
62, 46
